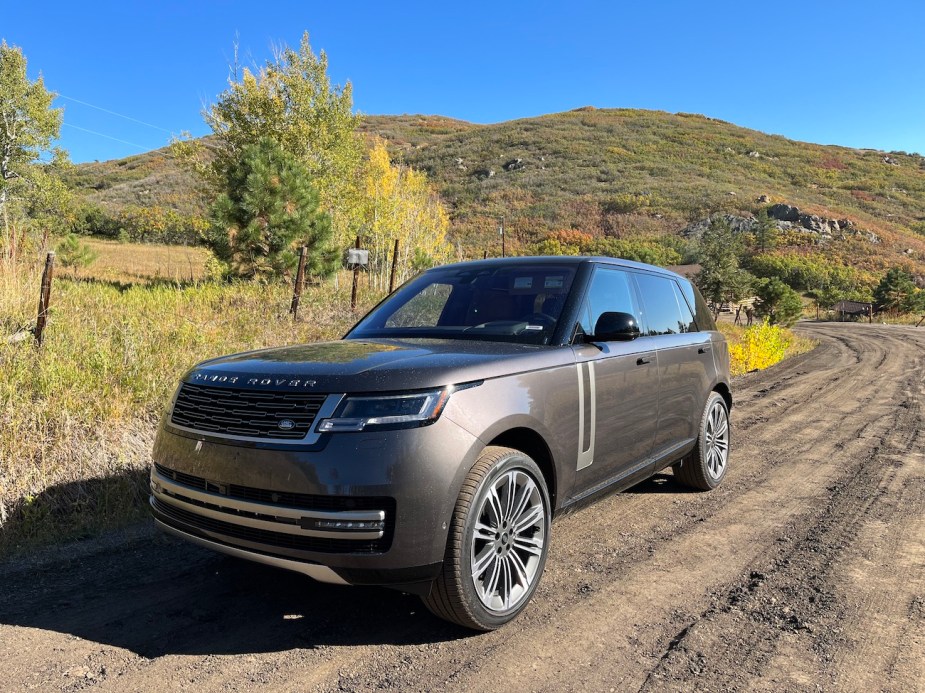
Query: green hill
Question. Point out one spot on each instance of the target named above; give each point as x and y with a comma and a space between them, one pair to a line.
621, 172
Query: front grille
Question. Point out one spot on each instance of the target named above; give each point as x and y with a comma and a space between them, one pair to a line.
240, 412
268, 538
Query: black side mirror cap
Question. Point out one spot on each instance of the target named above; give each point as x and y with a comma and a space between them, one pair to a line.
615, 327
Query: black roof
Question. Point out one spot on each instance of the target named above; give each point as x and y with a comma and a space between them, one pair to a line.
560, 260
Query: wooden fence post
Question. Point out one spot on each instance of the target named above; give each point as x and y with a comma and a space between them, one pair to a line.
356, 278
299, 281
394, 267
44, 297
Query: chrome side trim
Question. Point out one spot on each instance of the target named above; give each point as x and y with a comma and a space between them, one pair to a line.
321, 573
292, 515
328, 407
586, 455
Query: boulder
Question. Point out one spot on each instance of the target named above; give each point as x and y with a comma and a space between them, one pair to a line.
513, 165
763, 199
813, 223
784, 212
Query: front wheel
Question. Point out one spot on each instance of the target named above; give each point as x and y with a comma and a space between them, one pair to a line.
497, 544
706, 466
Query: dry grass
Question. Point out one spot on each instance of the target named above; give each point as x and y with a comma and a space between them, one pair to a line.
77, 416
134, 262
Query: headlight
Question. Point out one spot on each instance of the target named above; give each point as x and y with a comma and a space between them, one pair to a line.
390, 411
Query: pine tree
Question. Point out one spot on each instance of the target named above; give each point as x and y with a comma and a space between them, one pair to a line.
897, 292
268, 210
766, 232
780, 304
721, 280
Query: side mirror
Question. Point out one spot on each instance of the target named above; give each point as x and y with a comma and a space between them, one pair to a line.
615, 327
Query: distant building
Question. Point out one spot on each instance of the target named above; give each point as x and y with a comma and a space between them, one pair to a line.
854, 309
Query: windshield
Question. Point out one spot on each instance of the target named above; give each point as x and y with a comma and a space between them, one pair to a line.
519, 303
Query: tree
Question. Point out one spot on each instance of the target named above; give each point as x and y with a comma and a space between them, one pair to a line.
720, 279
72, 253
399, 203
766, 232
269, 209
28, 125
290, 101
897, 292
777, 302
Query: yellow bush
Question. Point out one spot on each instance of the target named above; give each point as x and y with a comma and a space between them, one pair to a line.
760, 346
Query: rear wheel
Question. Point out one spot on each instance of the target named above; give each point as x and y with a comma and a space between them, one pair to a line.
705, 467
497, 545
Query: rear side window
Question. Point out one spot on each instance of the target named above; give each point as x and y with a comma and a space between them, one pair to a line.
686, 315
661, 311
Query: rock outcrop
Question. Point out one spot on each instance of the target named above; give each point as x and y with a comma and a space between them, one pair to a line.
788, 218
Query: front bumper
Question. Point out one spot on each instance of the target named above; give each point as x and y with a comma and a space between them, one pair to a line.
355, 508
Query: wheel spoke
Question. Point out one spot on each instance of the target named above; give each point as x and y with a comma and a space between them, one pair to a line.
528, 519
505, 591
491, 584
481, 562
493, 503
519, 568
721, 431
524, 498
532, 545
510, 488
484, 532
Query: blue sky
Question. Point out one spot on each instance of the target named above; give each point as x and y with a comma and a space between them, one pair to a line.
849, 73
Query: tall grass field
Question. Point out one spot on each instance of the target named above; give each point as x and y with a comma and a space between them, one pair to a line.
78, 415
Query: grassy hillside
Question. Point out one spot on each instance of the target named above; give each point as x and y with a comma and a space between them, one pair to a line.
621, 172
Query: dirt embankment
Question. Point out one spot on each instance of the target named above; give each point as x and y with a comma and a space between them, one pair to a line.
805, 570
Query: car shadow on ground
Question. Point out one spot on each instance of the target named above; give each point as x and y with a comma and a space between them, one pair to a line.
158, 595
660, 483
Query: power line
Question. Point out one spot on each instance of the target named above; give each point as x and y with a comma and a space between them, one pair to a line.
108, 137
120, 115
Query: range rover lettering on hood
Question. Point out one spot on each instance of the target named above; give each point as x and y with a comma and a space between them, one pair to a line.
204, 378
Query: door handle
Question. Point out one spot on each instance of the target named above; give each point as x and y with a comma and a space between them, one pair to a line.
703, 349
643, 360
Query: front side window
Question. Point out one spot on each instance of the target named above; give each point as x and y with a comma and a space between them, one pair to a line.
516, 303
610, 291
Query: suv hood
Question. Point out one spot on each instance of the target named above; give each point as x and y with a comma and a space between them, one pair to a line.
375, 365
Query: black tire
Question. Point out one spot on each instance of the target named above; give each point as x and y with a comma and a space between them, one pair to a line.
706, 466
469, 600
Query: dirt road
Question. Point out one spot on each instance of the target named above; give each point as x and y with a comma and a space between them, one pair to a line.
805, 571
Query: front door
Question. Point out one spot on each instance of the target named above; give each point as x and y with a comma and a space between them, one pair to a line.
618, 390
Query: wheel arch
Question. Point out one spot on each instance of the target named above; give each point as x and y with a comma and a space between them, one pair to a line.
531, 443
725, 392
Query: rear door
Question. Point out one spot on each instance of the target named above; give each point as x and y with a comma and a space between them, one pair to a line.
685, 361
618, 389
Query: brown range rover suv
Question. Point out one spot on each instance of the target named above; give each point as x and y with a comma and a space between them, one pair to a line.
430, 449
